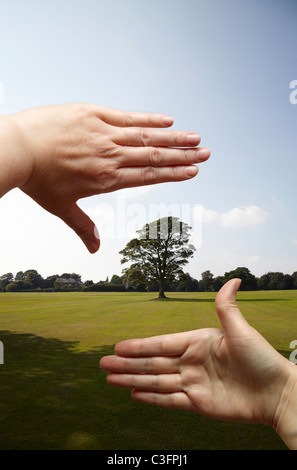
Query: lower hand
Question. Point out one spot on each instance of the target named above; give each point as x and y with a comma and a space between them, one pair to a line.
231, 373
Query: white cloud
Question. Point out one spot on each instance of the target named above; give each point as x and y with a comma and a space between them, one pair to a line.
209, 216
295, 241
236, 217
242, 217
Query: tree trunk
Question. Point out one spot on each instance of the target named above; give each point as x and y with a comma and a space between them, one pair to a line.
161, 290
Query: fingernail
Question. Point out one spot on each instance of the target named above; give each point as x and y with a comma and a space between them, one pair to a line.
193, 139
191, 171
167, 121
96, 233
203, 153
237, 285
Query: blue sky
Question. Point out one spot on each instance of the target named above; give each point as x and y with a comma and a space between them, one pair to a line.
222, 69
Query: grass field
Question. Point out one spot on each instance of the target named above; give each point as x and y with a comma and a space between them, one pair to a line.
54, 396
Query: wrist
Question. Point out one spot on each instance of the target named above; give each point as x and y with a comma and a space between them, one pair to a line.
15, 160
286, 415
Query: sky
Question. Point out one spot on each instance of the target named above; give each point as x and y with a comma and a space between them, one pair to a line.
222, 69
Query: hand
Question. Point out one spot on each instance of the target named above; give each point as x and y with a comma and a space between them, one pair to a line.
79, 150
231, 374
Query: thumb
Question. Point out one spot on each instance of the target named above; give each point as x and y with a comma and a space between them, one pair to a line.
83, 226
228, 312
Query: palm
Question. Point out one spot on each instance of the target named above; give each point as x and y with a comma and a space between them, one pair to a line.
225, 378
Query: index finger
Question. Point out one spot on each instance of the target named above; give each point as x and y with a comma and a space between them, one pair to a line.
120, 118
165, 345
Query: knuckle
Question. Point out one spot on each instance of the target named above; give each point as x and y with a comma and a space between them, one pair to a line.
175, 138
144, 137
175, 172
185, 156
125, 366
83, 110
154, 156
150, 120
155, 382
82, 230
80, 107
162, 346
149, 175
105, 177
179, 382
128, 120
149, 365
106, 149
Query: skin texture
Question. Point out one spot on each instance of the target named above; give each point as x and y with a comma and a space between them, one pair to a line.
232, 373
66, 152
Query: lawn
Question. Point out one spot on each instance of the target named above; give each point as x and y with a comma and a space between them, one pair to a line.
54, 396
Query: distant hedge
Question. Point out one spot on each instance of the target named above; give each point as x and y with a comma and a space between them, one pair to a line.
105, 287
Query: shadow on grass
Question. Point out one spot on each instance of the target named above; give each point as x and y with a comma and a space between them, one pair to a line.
54, 396
181, 299
210, 299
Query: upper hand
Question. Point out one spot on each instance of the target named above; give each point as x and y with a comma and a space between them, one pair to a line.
79, 150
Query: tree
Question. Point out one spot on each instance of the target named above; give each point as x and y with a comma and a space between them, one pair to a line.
288, 281
5, 279
75, 276
206, 283
248, 280
115, 279
159, 253
280, 281
18, 286
33, 278
294, 279
276, 281
187, 283
20, 276
49, 281
264, 280
218, 282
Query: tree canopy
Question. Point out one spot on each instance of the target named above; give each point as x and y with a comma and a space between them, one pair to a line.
159, 253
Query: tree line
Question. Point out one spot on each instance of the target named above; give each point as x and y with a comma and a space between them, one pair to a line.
32, 281
157, 256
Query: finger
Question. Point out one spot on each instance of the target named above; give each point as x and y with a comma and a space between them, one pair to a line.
150, 137
228, 312
167, 383
179, 400
146, 365
161, 156
83, 226
133, 119
143, 176
164, 345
